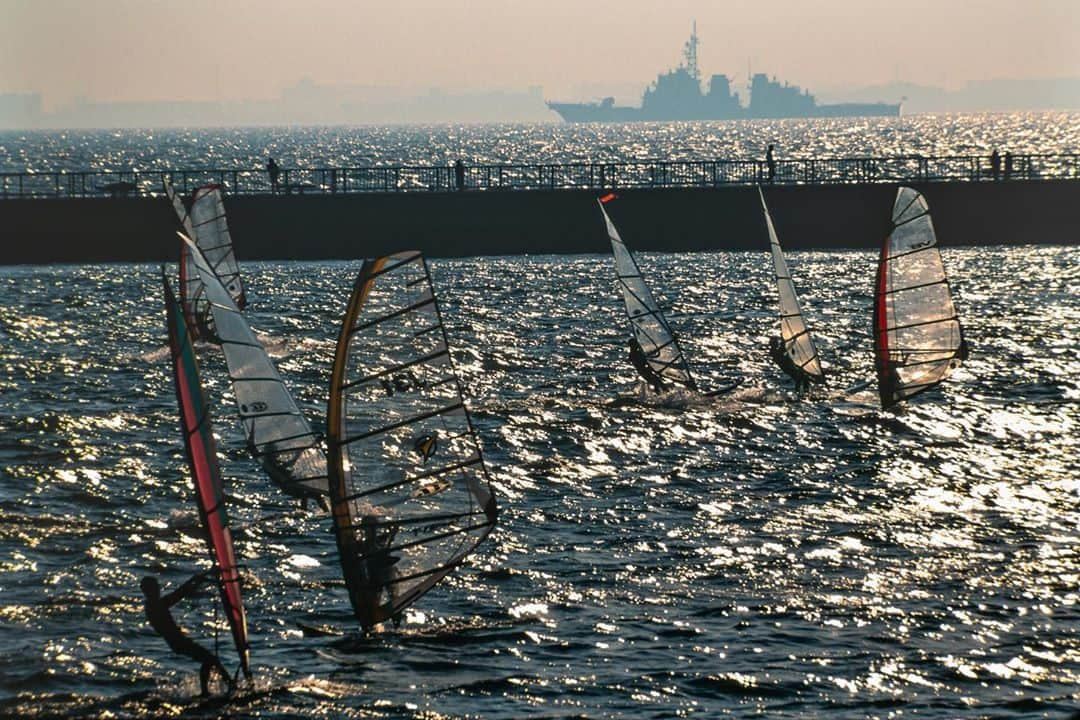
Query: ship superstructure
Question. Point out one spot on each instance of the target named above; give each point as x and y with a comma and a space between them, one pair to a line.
676, 95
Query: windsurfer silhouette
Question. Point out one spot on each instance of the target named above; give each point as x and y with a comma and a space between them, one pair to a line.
376, 537
645, 370
780, 356
161, 619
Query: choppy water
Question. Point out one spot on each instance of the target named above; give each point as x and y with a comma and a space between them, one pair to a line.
756, 554
961, 134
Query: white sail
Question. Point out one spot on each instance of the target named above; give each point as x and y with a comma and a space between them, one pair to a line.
279, 435
917, 333
647, 322
798, 343
213, 238
410, 495
205, 223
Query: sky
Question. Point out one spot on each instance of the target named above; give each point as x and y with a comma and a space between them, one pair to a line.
138, 50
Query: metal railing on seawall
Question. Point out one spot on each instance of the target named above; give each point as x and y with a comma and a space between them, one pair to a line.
566, 176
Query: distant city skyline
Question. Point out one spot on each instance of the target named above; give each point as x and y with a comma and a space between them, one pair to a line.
138, 51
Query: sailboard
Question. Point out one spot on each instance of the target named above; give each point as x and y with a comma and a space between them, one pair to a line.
206, 224
798, 343
410, 494
205, 471
279, 435
918, 340
647, 322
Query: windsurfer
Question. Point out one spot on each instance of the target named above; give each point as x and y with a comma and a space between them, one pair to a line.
780, 356
645, 370
376, 537
161, 619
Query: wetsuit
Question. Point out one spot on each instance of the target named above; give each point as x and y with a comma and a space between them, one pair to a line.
645, 370
161, 619
781, 358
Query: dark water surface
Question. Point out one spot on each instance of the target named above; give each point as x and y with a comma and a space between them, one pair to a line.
754, 554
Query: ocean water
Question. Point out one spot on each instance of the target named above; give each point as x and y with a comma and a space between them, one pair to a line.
249, 148
755, 554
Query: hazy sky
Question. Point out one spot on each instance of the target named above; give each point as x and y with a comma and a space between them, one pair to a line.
214, 49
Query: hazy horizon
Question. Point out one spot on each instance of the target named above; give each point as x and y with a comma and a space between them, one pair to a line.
136, 51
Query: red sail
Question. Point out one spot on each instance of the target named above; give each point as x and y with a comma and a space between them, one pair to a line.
206, 474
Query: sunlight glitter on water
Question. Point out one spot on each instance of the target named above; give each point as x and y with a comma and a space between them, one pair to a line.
653, 558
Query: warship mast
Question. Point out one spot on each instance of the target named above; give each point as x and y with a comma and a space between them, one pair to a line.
690, 54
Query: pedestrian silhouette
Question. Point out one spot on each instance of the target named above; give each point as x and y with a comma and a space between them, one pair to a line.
459, 174
1008, 164
770, 162
275, 172
995, 164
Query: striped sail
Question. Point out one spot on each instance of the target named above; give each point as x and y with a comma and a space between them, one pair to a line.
205, 472
918, 340
410, 495
206, 224
798, 343
279, 436
647, 322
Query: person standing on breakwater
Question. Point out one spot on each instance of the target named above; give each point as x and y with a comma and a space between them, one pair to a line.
770, 163
275, 172
1008, 164
459, 174
995, 165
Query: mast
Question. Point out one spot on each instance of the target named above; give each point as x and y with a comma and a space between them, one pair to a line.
690, 51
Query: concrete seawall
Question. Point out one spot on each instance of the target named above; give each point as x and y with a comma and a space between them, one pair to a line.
315, 227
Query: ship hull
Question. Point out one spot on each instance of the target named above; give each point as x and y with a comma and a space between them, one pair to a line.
594, 112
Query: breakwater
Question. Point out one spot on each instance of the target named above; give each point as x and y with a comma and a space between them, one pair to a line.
701, 206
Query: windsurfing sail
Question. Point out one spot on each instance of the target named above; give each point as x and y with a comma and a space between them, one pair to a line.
918, 340
279, 436
410, 495
647, 322
798, 344
205, 223
205, 471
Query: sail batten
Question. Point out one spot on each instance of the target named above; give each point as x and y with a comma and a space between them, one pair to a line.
404, 463
209, 487
647, 321
918, 339
278, 434
798, 343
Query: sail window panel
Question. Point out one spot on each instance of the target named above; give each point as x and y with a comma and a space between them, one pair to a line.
916, 235
792, 327
909, 204
915, 271
922, 343
397, 358
920, 305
